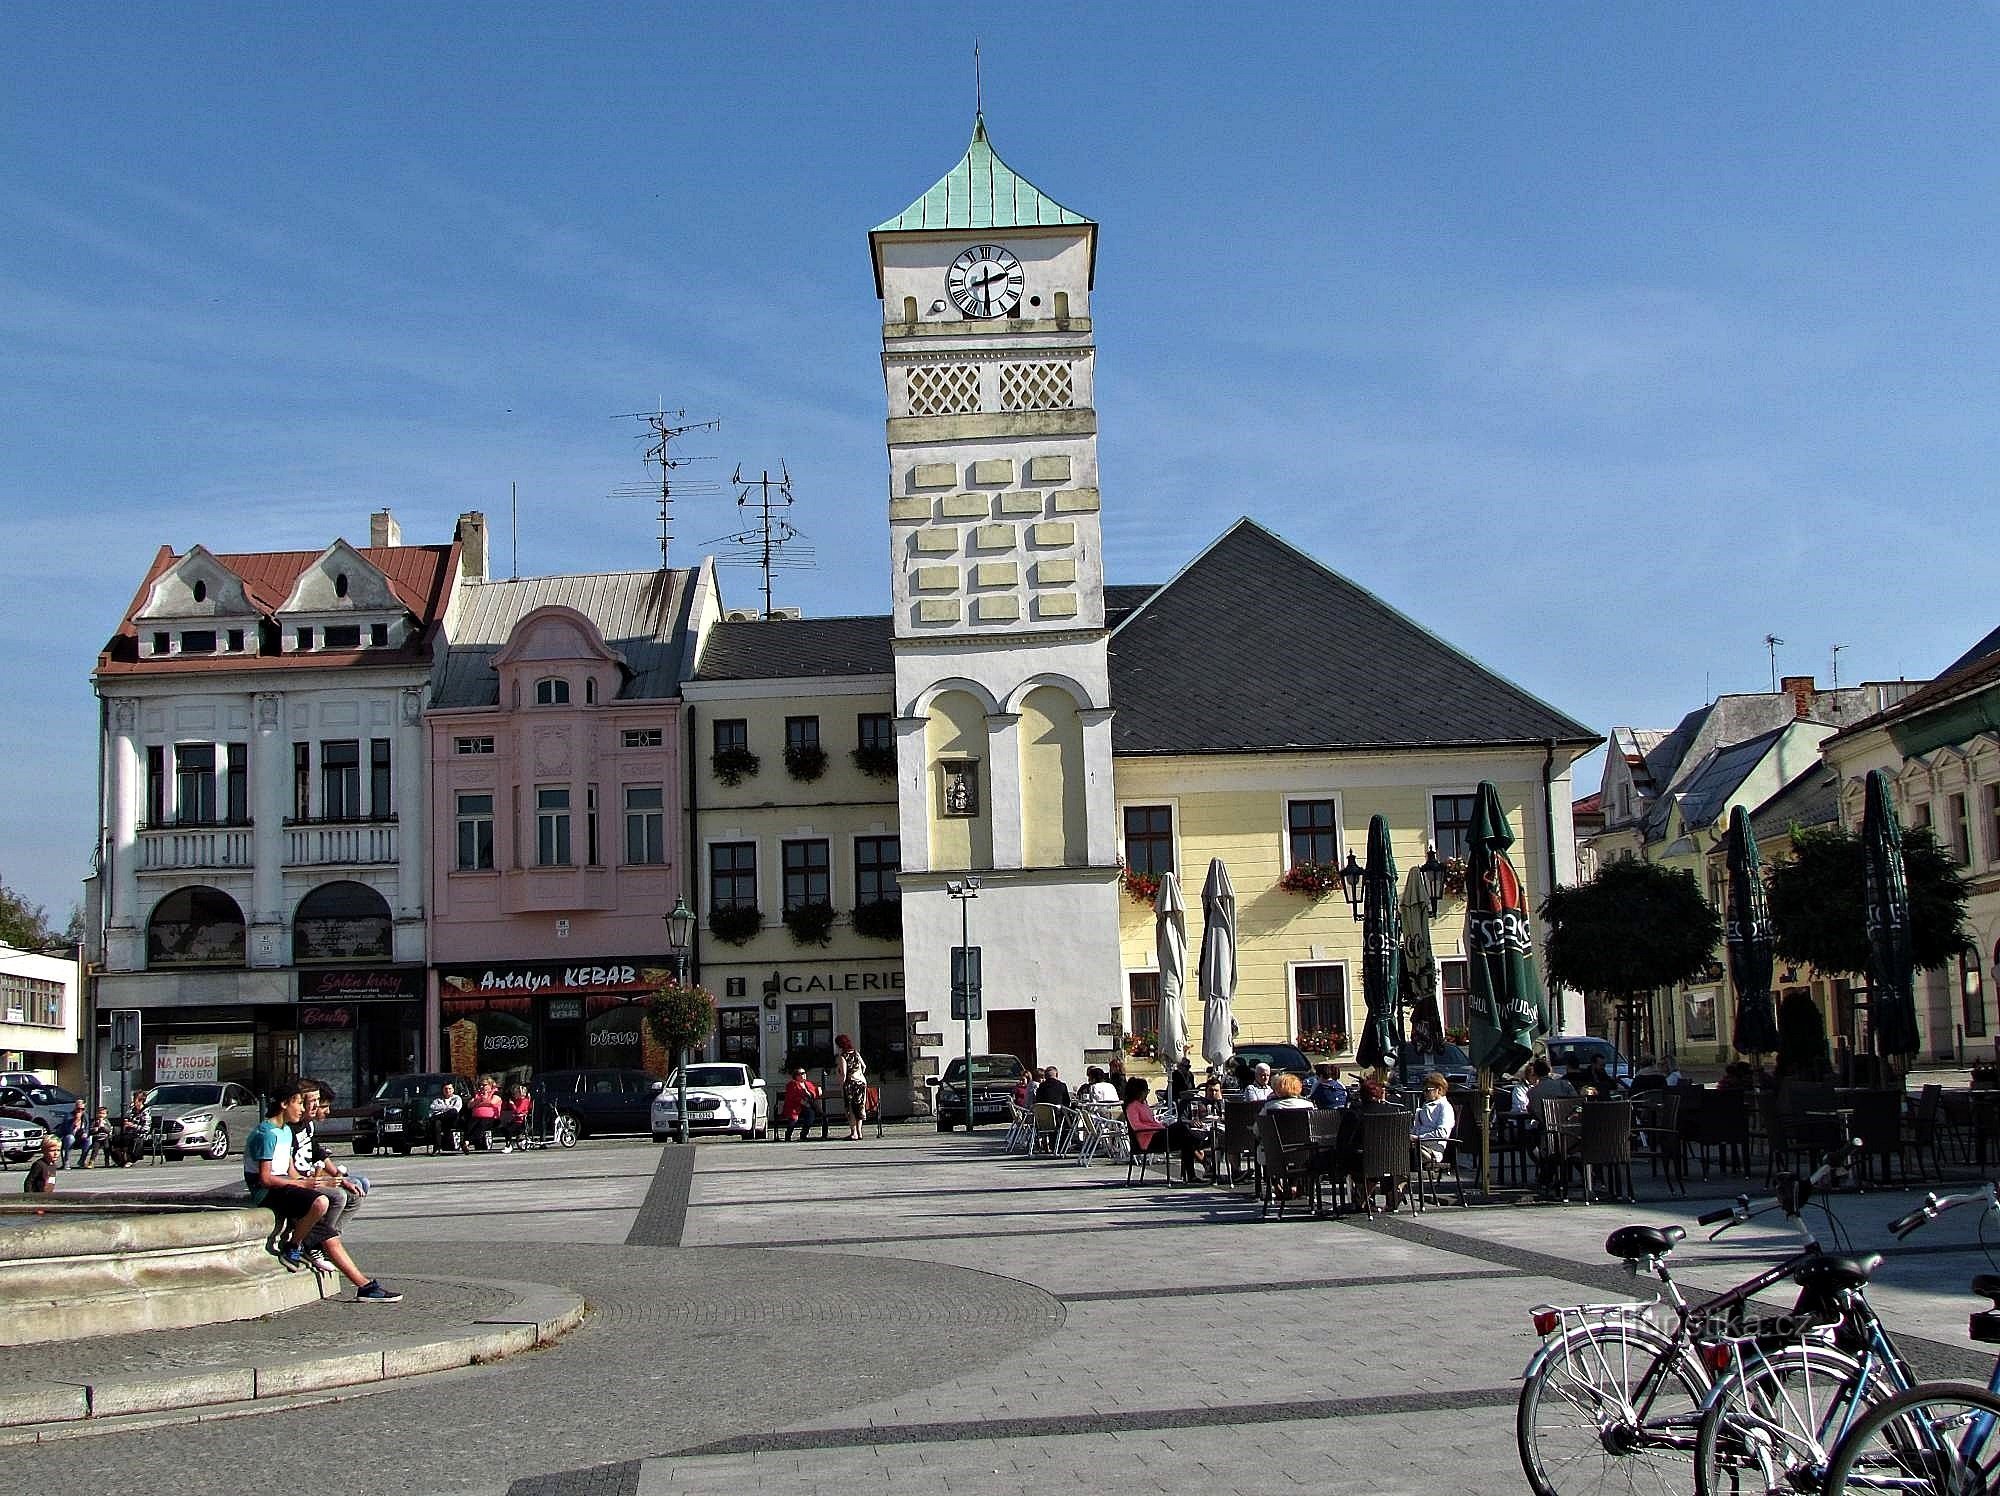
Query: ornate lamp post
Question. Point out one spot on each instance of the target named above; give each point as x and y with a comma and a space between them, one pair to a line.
1434, 875
680, 929
1351, 878
965, 890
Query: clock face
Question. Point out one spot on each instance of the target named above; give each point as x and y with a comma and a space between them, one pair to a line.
985, 281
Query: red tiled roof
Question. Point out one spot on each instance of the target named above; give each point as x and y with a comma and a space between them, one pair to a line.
419, 576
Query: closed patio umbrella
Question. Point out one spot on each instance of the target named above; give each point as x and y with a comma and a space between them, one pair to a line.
1891, 963
1420, 970
1170, 943
1506, 1005
1381, 950
1748, 938
1215, 973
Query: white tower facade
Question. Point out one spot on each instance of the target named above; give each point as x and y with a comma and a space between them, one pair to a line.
1004, 722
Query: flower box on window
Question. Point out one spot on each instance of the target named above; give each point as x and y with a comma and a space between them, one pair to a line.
879, 919
810, 924
1323, 1041
734, 765
1316, 879
805, 761
734, 923
1143, 887
876, 760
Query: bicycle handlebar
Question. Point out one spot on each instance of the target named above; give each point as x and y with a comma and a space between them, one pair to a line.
1727, 1212
1935, 1205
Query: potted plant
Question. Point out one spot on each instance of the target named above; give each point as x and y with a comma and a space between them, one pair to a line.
1143, 887
876, 760
879, 919
734, 765
805, 761
810, 924
734, 923
1315, 879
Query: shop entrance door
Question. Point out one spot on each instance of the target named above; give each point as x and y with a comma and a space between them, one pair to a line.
1012, 1031
737, 1038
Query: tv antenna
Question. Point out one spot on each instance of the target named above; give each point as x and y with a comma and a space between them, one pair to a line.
1771, 642
667, 427
1836, 677
764, 538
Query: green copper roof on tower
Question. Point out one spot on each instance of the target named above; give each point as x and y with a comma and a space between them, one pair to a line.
981, 192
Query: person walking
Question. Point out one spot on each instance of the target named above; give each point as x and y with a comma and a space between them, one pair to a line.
853, 1085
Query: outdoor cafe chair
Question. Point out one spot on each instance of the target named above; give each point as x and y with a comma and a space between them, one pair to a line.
1385, 1158
1239, 1139
1138, 1160
1604, 1141
1876, 1119
1926, 1127
1430, 1171
1099, 1130
1656, 1135
1020, 1128
1556, 1147
1048, 1126
1285, 1163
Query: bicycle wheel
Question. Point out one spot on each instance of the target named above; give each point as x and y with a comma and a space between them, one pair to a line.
1939, 1439
1772, 1425
1612, 1406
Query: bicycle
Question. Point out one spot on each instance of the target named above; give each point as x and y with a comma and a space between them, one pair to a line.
1936, 1438
1609, 1384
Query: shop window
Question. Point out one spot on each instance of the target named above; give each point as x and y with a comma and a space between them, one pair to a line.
1319, 1005
736, 1038
1142, 1003
475, 832
195, 926
732, 875
645, 823
1451, 824
808, 876
1149, 839
883, 1037
343, 921
809, 1036
1313, 831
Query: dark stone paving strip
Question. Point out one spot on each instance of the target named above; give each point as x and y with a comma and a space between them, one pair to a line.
663, 1216
1107, 1423
621, 1479
1296, 1285
1009, 1233
1932, 1358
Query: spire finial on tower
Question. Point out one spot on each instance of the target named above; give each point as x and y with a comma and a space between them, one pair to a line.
978, 87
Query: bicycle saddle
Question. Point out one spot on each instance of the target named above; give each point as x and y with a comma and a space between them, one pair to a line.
1832, 1274
1985, 1325
1630, 1243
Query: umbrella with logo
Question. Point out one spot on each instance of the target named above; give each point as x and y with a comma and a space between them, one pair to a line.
1381, 950
1891, 962
1748, 938
1215, 973
1505, 1001
1170, 942
1420, 970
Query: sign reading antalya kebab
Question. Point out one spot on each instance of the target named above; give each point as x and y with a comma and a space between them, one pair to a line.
631, 976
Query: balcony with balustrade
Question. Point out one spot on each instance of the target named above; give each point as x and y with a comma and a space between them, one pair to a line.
179, 847
340, 843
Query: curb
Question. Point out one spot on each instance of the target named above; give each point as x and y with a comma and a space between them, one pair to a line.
67, 1410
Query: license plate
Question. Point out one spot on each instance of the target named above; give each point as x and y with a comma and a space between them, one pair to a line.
392, 1127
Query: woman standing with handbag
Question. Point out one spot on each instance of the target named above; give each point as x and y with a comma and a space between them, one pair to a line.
853, 1085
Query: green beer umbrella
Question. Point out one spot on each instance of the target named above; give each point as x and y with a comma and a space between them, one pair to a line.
1381, 950
1506, 1005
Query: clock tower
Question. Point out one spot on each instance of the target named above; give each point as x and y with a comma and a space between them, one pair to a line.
996, 563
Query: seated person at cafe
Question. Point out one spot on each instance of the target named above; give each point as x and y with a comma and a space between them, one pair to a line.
1180, 1084
1649, 1076
1327, 1093
1145, 1127
447, 1118
1371, 1096
1053, 1091
1547, 1087
798, 1108
482, 1115
1287, 1095
1431, 1123
1599, 1079
514, 1113
1258, 1087
1097, 1087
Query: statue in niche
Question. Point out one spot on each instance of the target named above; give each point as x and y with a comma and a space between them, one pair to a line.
961, 789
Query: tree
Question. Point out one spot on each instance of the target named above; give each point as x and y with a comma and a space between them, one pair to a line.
1634, 928
23, 925
1819, 902
680, 1018
1802, 1051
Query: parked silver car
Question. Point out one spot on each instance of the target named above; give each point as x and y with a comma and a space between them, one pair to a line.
204, 1117
20, 1140
51, 1105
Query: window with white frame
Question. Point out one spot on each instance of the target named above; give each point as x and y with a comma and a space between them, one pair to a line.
643, 737
1319, 1005
645, 823
1149, 839
808, 874
732, 875
1142, 1003
1451, 824
551, 690
877, 862
475, 831
472, 745
552, 848
1312, 831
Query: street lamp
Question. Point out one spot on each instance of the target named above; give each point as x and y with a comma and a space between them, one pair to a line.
965, 890
1434, 873
680, 929
1351, 878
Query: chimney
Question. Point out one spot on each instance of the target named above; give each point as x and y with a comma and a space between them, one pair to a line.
471, 538
1800, 689
383, 531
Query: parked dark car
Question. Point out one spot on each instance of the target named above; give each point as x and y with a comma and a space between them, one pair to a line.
398, 1116
1413, 1063
1284, 1059
994, 1077
600, 1101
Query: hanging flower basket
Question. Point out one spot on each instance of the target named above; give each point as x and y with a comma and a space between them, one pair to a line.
680, 1017
875, 760
805, 761
1454, 877
1143, 887
734, 923
810, 924
1316, 879
879, 919
734, 765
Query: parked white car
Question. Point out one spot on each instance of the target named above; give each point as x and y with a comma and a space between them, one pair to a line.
20, 1140
722, 1097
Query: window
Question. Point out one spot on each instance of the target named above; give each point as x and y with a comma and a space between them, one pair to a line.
590, 826
552, 825
156, 786
340, 781
801, 732
343, 636
201, 592
1993, 823
807, 877
1457, 974
1314, 831
590, 690
1319, 1001
872, 730
877, 859
31, 1000
475, 832
645, 823
342, 921
1451, 824
1957, 830
194, 784
301, 781
551, 690
236, 641
472, 745
198, 642
340, 584
195, 927
732, 875
1142, 1003
1972, 995
381, 798
162, 643
237, 796
378, 635
1149, 838
809, 1035
1920, 814
643, 737
731, 733
305, 638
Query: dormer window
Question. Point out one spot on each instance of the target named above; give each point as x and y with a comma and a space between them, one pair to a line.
378, 635
305, 639
552, 690
198, 641
343, 636
236, 641
162, 643
340, 584
201, 592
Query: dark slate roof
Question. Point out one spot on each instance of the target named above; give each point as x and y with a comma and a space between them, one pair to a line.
1122, 599
797, 648
1990, 645
1703, 794
1811, 799
641, 614
1258, 647
1975, 670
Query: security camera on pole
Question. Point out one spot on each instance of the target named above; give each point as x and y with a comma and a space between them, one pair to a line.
965, 978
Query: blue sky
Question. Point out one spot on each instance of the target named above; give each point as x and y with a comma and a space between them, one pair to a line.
1605, 340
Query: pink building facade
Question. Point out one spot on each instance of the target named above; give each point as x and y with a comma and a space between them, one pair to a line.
557, 820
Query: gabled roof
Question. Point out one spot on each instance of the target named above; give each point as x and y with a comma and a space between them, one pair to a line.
1120, 599
641, 614
798, 648
1985, 648
1811, 799
1255, 646
1703, 794
981, 192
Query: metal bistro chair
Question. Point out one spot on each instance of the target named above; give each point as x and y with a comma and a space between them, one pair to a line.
1656, 1128
1558, 1142
1285, 1163
1100, 1130
1048, 1126
1385, 1158
1239, 1139
1324, 1129
1020, 1128
1878, 1127
1605, 1142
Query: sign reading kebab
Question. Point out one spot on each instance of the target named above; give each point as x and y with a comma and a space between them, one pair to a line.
635, 976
